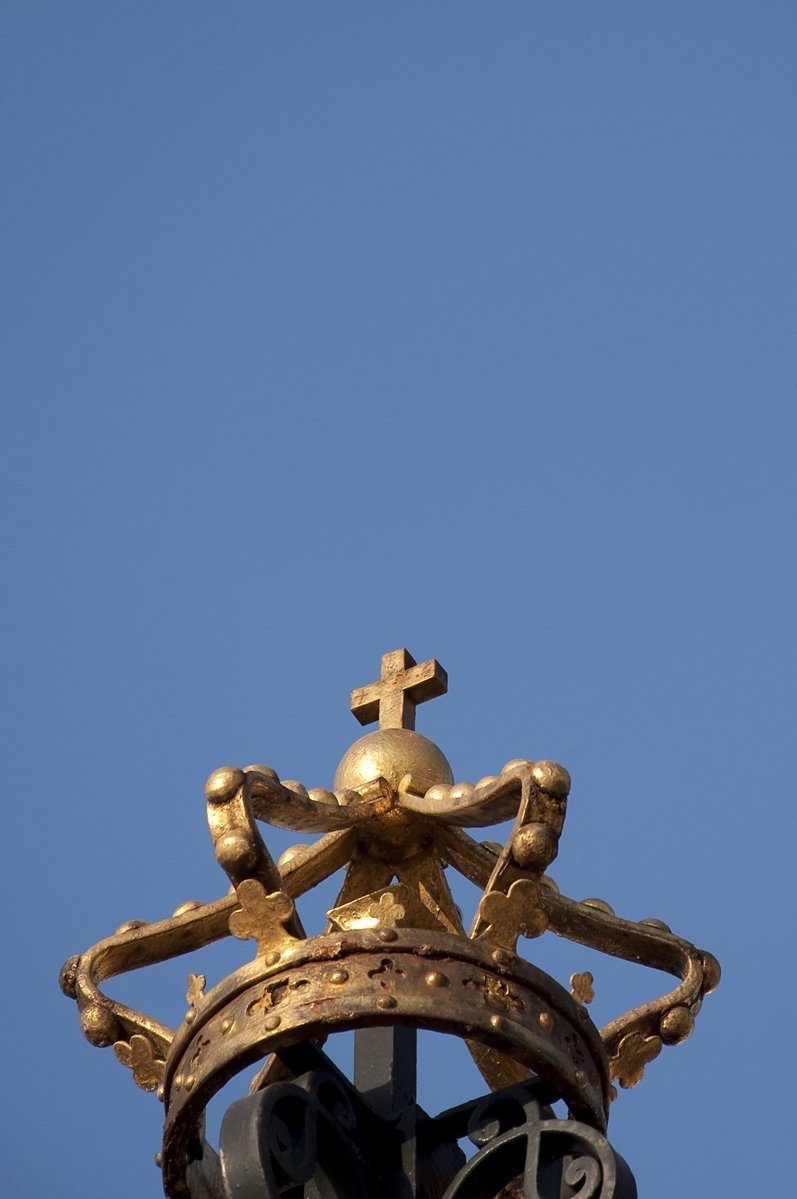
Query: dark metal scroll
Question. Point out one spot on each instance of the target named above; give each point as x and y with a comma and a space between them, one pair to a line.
318, 1136
526, 1153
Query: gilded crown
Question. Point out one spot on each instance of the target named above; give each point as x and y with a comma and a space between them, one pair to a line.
395, 950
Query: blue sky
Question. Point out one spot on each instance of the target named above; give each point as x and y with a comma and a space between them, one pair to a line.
335, 328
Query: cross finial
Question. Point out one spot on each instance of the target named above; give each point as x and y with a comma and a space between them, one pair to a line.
403, 684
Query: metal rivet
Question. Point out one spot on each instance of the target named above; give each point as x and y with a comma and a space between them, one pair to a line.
271, 1022
501, 957
338, 976
159, 1160
190, 1016
272, 958
436, 979
386, 1003
189, 1082
227, 1024
387, 934
496, 1022
161, 1092
178, 1082
545, 1021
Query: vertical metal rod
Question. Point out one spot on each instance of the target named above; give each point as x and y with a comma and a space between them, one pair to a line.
385, 1074
385, 1067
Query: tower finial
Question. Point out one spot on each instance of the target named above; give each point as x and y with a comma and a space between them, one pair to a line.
403, 684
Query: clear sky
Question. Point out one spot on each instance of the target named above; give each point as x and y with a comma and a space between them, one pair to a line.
331, 328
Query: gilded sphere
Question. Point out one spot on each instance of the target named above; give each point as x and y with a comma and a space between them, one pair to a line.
552, 777
68, 977
392, 753
236, 853
223, 783
676, 1025
534, 846
99, 1025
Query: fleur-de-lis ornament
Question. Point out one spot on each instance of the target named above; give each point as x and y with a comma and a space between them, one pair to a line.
262, 916
581, 987
139, 1054
509, 915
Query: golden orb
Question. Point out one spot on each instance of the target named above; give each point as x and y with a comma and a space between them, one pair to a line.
392, 753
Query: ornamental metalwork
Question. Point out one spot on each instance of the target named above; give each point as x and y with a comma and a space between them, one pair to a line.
394, 957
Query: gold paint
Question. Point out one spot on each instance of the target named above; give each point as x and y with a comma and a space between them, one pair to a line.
395, 821
385, 908
262, 917
67, 978
551, 777
711, 971
223, 783
391, 754
436, 979
651, 922
139, 1054
288, 856
196, 989
581, 987
676, 1025
99, 1025
507, 916
402, 685
534, 846
632, 1055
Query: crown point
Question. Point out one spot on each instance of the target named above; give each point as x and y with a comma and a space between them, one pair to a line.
223, 783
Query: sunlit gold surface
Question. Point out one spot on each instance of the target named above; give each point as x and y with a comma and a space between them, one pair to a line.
394, 821
391, 754
402, 685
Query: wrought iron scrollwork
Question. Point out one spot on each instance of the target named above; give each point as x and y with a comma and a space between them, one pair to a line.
526, 1153
316, 1137
295, 1139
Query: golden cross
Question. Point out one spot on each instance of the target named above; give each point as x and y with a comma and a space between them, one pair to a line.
403, 684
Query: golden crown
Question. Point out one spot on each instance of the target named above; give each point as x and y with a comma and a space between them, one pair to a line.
395, 951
